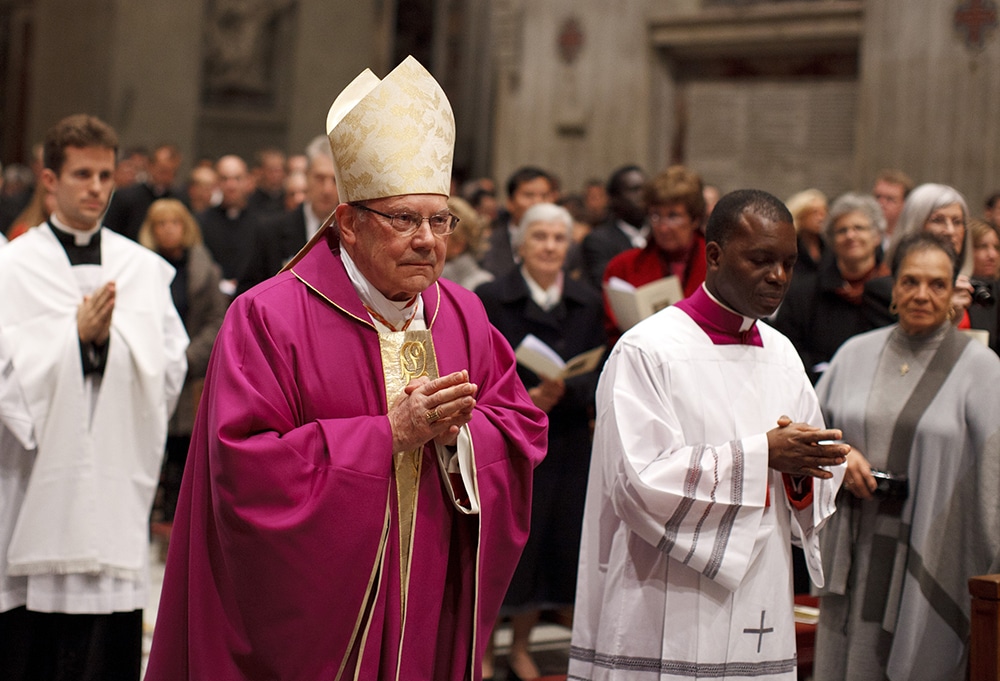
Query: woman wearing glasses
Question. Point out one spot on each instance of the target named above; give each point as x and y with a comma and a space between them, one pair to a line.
676, 245
825, 308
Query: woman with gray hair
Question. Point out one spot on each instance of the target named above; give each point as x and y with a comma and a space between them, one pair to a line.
917, 514
542, 212
940, 209
824, 308
539, 299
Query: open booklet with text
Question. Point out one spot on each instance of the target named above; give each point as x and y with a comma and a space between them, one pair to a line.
632, 304
536, 355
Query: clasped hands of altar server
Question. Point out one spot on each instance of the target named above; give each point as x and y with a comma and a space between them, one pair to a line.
93, 317
801, 449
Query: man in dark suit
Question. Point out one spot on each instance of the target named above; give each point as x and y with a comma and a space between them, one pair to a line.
625, 229
129, 205
269, 175
526, 187
278, 239
228, 229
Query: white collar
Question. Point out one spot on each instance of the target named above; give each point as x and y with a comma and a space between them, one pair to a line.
747, 321
512, 230
395, 312
637, 235
313, 223
545, 298
80, 237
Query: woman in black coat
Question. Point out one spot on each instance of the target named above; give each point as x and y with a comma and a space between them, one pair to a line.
537, 298
824, 308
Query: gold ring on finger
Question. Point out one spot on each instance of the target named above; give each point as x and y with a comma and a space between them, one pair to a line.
432, 415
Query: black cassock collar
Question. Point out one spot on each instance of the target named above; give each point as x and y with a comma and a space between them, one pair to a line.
79, 254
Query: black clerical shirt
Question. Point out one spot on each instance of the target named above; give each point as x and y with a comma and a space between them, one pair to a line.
93, 356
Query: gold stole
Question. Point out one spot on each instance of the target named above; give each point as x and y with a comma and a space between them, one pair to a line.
406, 355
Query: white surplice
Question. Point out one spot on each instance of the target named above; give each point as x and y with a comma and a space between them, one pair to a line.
78, 539
17, 456
685, 563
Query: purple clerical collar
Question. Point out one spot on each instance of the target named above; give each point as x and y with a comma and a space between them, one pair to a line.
722, 325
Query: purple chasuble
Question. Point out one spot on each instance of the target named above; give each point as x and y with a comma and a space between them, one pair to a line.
721, 325
284, 557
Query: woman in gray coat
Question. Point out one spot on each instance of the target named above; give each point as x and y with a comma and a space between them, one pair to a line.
171, 230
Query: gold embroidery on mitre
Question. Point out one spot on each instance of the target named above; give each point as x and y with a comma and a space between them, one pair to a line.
398, 138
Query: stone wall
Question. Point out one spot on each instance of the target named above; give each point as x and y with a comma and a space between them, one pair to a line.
576, 86
145, 67
870, 84
761, 95
73, 61
580, 118
929, 104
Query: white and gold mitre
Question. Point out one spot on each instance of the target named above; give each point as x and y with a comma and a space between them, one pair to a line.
392, 136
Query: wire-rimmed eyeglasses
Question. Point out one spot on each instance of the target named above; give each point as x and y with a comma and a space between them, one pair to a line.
406, 223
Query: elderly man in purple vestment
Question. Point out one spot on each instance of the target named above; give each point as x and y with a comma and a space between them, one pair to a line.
358, 488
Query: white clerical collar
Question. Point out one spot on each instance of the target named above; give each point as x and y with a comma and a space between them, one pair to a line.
512, 231
394, 312
747, 321
637, 235
545, 298
313, 223
80, 237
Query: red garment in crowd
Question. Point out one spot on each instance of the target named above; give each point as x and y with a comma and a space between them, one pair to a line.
640, 266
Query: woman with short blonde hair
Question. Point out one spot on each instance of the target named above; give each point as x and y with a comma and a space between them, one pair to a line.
171, 230
163, 209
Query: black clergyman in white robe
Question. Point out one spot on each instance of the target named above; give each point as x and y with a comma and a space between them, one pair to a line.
686, 562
